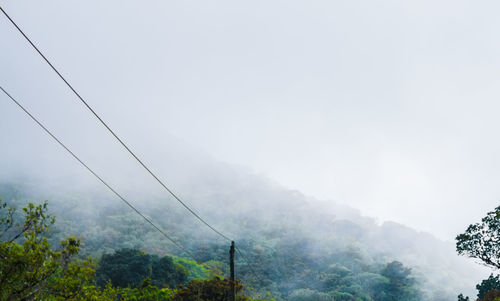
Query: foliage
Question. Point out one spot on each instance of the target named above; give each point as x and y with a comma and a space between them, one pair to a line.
215, 289
196, 271
462, 298
167, 273
147, 292
400, 286
32, 270
283, 263
27, 268
487, 285
492, 295
125, 268
129, 267
482, 240
305, 294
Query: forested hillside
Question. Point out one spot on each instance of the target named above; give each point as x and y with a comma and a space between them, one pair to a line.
355, 139
298, 247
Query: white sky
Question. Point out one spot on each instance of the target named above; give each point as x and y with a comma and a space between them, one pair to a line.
389, 106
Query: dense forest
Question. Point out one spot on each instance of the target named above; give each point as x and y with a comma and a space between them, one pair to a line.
382, 113
293, 274
294, 249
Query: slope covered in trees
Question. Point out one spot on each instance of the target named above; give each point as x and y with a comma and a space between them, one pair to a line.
299, 250
32, 269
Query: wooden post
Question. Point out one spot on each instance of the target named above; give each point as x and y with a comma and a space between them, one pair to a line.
232, 293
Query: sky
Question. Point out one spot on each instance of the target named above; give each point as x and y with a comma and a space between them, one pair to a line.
388, 106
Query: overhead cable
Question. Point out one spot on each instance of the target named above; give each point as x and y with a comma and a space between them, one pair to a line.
119, 140
111, 131
96, 175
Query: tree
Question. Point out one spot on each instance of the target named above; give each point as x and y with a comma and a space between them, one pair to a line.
129, 268
482, 240
493, 295
29, 267
305, 294
487, 285
215, 289
462, 298
400, 286
124, 268
167, 273
147, 292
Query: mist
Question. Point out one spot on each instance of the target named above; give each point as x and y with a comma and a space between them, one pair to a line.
388, 108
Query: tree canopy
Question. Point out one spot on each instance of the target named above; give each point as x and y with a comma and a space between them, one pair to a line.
27, 268
31, 269
283, 264
129, 267
482, 240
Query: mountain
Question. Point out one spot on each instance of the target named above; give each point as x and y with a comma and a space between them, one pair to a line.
295, 244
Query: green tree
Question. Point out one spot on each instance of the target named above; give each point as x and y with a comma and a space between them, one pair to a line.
215, 289
305, 294
29, 267
493, 295
492, 283
167, 273
400, 286
124, 268
482, 240
147, 292
130, 267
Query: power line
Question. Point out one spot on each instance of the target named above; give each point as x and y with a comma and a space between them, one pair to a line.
113, 190
106, 184
96, 175
124, 145
111, 131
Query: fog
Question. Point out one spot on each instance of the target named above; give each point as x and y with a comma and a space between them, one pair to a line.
387, 106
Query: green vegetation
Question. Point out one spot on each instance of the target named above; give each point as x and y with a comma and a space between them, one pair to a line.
213, 289
487, 285
129, 268
287, 270
31, 269
482, 241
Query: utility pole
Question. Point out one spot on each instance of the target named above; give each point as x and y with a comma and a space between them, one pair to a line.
232, 293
